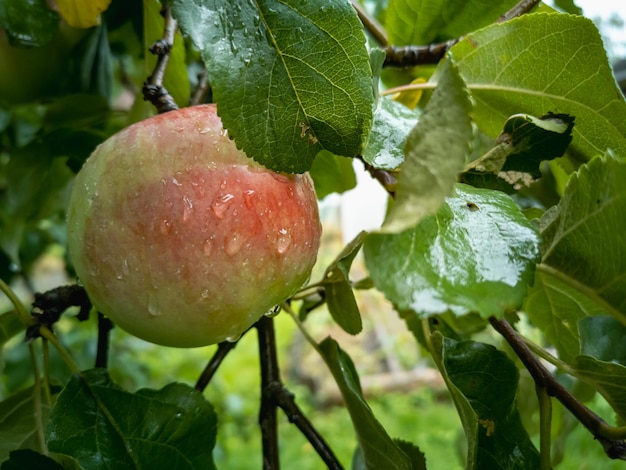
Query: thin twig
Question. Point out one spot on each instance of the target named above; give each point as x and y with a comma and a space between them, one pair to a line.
410, 56
521, 8
269, 380
385, 178
153, 89
211, 368
614, 448
202, 90
285, 400
371, 25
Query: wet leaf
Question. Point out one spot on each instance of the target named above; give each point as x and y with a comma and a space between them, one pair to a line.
483, 383
28, 22
435, 150
339, 294
392, 124
169, 428
274, 75
477, 254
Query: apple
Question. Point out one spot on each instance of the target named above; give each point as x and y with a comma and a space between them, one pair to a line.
180, 238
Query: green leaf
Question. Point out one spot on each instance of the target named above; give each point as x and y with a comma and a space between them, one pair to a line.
428, 21
556, 307
10, 325
37, 187
608, 378
339, 294
169, 428
274, 75
28, 22
332, 174
379, 450
584, 239
21, 418
604, 338
91, 70
484, 386
436, 150
539, 63
524, 143
176, 80
477, 254
392, 124
21, 459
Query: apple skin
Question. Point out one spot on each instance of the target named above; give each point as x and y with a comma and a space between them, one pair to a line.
183, 240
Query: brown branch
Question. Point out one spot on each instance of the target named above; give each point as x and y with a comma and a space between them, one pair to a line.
410, 56
211, 368
273, 395
615, 449
202, 90
269, 379
371, 25
521, 8
384, 177
153, 89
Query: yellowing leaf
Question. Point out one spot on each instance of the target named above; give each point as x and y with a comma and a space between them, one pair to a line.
82, 13
410, 98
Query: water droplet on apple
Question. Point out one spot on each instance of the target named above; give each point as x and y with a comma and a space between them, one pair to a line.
176, 182
153, 307
248, 195
208, 246
233, 338
166, 227
205, 294
125, 267
220, 205
187, 208
273, 312
234, 244
283, 241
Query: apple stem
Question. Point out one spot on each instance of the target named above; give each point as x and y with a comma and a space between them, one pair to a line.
102, 351
153, 89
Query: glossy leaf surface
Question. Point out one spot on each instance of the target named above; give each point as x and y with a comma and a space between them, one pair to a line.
272, 67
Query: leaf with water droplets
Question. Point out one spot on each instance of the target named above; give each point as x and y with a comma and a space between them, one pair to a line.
273, 71
477, 254
174, 427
